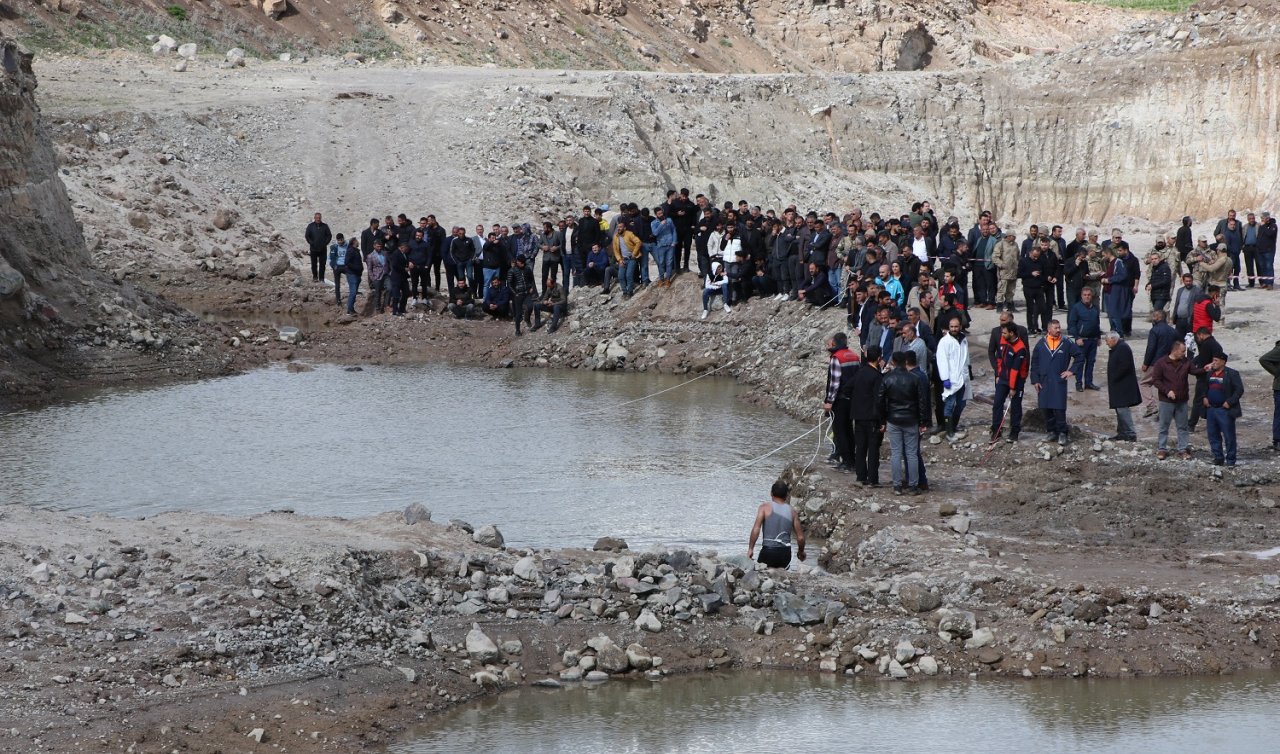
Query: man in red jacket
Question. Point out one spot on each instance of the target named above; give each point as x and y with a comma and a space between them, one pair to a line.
1206, 311
1011, 378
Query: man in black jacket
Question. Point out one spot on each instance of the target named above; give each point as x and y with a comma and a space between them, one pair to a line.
1221, 405
398, 279
867, 435
903, 404
1123, 392
685, 215
520, 283
1160, 286
1034, 271
318, 238
1207, 348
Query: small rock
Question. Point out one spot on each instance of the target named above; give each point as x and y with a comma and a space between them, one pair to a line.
526, 568
409, 674
416, 514
917, 598
258, 735
1155, 610
489, 536
610, 544
188, 50
639, 657
597, 676
981, 637
927, 665
648, 622
74, 619
896, 670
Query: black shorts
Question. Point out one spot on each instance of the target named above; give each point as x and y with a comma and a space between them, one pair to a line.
775, 556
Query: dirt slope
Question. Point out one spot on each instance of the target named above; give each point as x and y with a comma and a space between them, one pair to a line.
733, 36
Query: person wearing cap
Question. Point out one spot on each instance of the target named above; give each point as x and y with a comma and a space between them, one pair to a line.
1267, 252
1215, 271
1221, 405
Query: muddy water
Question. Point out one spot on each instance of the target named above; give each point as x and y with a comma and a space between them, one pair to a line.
783, 712
486, 446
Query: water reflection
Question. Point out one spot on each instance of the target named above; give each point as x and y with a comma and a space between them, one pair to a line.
771, 712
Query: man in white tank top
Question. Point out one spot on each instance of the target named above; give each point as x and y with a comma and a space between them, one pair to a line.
777, 520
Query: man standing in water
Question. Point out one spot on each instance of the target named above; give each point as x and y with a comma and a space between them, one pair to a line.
777, 520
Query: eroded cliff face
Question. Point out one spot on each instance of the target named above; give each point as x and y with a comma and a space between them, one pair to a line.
62, 320
38, 233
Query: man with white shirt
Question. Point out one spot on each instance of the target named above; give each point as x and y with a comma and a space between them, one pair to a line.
953, 370
920, 246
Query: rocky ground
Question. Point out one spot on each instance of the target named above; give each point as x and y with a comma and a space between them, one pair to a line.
327, 634
198, 633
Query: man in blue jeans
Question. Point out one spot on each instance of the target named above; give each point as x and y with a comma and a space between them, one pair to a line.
903, 405
1223, 391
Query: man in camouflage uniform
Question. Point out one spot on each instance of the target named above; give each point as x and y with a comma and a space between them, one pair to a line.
1097, 261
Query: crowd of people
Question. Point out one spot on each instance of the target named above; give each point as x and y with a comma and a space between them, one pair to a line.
907, 284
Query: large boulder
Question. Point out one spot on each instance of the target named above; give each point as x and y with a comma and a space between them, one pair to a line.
274, 9
609, 656
797, 610
480, 648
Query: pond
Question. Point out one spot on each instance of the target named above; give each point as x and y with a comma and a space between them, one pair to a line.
554, 458
771, 712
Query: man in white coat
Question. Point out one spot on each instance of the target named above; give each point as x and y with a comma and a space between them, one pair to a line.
953, 370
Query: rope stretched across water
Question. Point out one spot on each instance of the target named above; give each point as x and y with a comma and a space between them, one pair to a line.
708, 373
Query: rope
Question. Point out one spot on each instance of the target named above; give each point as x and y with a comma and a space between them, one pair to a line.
674, 482
726, 365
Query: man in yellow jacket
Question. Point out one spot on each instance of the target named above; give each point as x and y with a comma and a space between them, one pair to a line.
626, 252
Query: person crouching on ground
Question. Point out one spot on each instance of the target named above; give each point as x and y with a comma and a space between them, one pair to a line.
716, 283
554, 300
777, 521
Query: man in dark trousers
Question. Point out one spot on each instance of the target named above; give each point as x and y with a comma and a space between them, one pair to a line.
839, 397
1123, 392
1160, 338
1084, 327
1033, 270
1053, 360
866, 421
1206, 348
1011, 368
398, 279
997, 333
520, 283
1221, 402
318, 238
1270, 361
